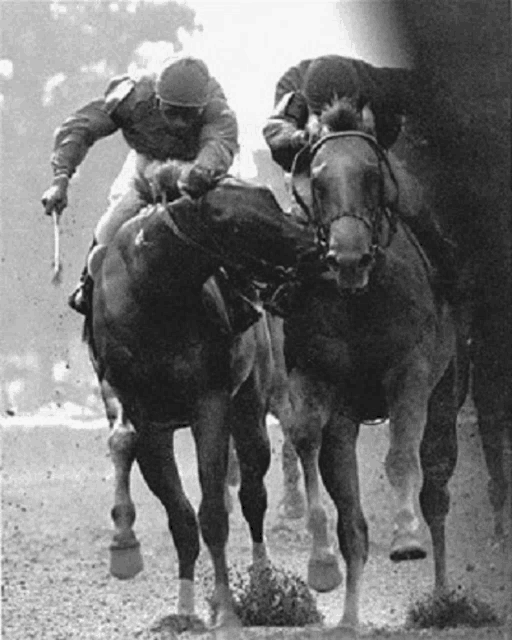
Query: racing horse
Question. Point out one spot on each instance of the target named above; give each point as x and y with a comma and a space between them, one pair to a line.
165, 361
369, 337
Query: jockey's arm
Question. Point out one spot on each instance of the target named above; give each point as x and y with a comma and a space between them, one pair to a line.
77, 134
83, 128
284, 129
218, 142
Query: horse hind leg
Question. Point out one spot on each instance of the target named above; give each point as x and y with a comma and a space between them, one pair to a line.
155, 456
438, 453
233, 476
253, 449
125, 556
493, 402
291, 505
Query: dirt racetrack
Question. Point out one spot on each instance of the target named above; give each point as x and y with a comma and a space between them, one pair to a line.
57, 496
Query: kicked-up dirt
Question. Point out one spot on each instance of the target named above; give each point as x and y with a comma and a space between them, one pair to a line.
57, 494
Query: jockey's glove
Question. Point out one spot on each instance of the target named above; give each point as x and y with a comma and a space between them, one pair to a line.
299, 139
196, 181
55, 198
164, 178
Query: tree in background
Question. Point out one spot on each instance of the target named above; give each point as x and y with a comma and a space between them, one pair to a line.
55, 57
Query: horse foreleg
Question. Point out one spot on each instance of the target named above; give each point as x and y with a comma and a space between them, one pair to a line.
408, 395
308, 419
155, 455
323, 570
125, 556
211, 434
438, 454
338, 465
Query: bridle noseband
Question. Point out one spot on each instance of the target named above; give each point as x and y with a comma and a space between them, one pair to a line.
374, 220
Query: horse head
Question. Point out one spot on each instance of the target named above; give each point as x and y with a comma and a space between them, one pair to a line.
347, 188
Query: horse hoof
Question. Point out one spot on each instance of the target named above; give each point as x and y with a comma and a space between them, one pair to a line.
227, 633
341, 632
406, 546
227, 627
324, 574
292, 507
125, 562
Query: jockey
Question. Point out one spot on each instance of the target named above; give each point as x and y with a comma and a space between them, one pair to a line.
383, 95
180, 114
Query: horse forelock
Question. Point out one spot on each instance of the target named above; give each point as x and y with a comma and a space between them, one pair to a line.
341, 115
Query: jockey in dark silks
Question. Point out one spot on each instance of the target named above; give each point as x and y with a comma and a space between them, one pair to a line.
384, 96
180, 114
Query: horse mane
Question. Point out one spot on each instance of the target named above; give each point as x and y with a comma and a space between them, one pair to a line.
341, 115
153, 185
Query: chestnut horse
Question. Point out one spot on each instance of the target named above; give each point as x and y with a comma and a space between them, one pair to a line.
369, 338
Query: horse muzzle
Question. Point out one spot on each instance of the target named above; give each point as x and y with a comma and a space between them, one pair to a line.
350, 271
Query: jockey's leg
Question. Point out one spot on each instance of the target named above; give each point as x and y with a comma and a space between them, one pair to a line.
125, 201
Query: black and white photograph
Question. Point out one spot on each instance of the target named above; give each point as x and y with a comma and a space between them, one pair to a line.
256, 319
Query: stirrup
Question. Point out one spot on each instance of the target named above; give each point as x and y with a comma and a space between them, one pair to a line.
76, 300
80, 299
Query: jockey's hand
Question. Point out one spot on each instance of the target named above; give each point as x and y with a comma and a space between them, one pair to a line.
196, 181
165, 177
299, 139
55, 198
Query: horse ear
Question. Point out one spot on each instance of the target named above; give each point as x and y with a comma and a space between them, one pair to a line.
301, 180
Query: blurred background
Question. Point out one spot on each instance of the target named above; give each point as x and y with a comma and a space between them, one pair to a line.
57, 56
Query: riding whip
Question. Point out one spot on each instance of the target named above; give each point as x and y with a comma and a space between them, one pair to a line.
57, 264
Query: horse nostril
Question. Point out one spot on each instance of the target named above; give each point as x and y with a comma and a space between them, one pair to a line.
366, 261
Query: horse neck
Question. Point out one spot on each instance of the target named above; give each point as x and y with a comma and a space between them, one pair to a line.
170, 262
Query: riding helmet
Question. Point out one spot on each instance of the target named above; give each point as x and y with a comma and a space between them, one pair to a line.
184, 83
327, 78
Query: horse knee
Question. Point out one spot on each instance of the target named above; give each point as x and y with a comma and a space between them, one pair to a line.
401, 463
122, 441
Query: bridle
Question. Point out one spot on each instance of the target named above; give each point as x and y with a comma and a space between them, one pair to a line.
374, 217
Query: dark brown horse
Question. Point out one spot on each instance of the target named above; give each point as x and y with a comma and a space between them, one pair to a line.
461, 52
369, 339
164, 362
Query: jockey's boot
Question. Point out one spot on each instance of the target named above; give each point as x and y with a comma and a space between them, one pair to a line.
441, 250
80, 299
